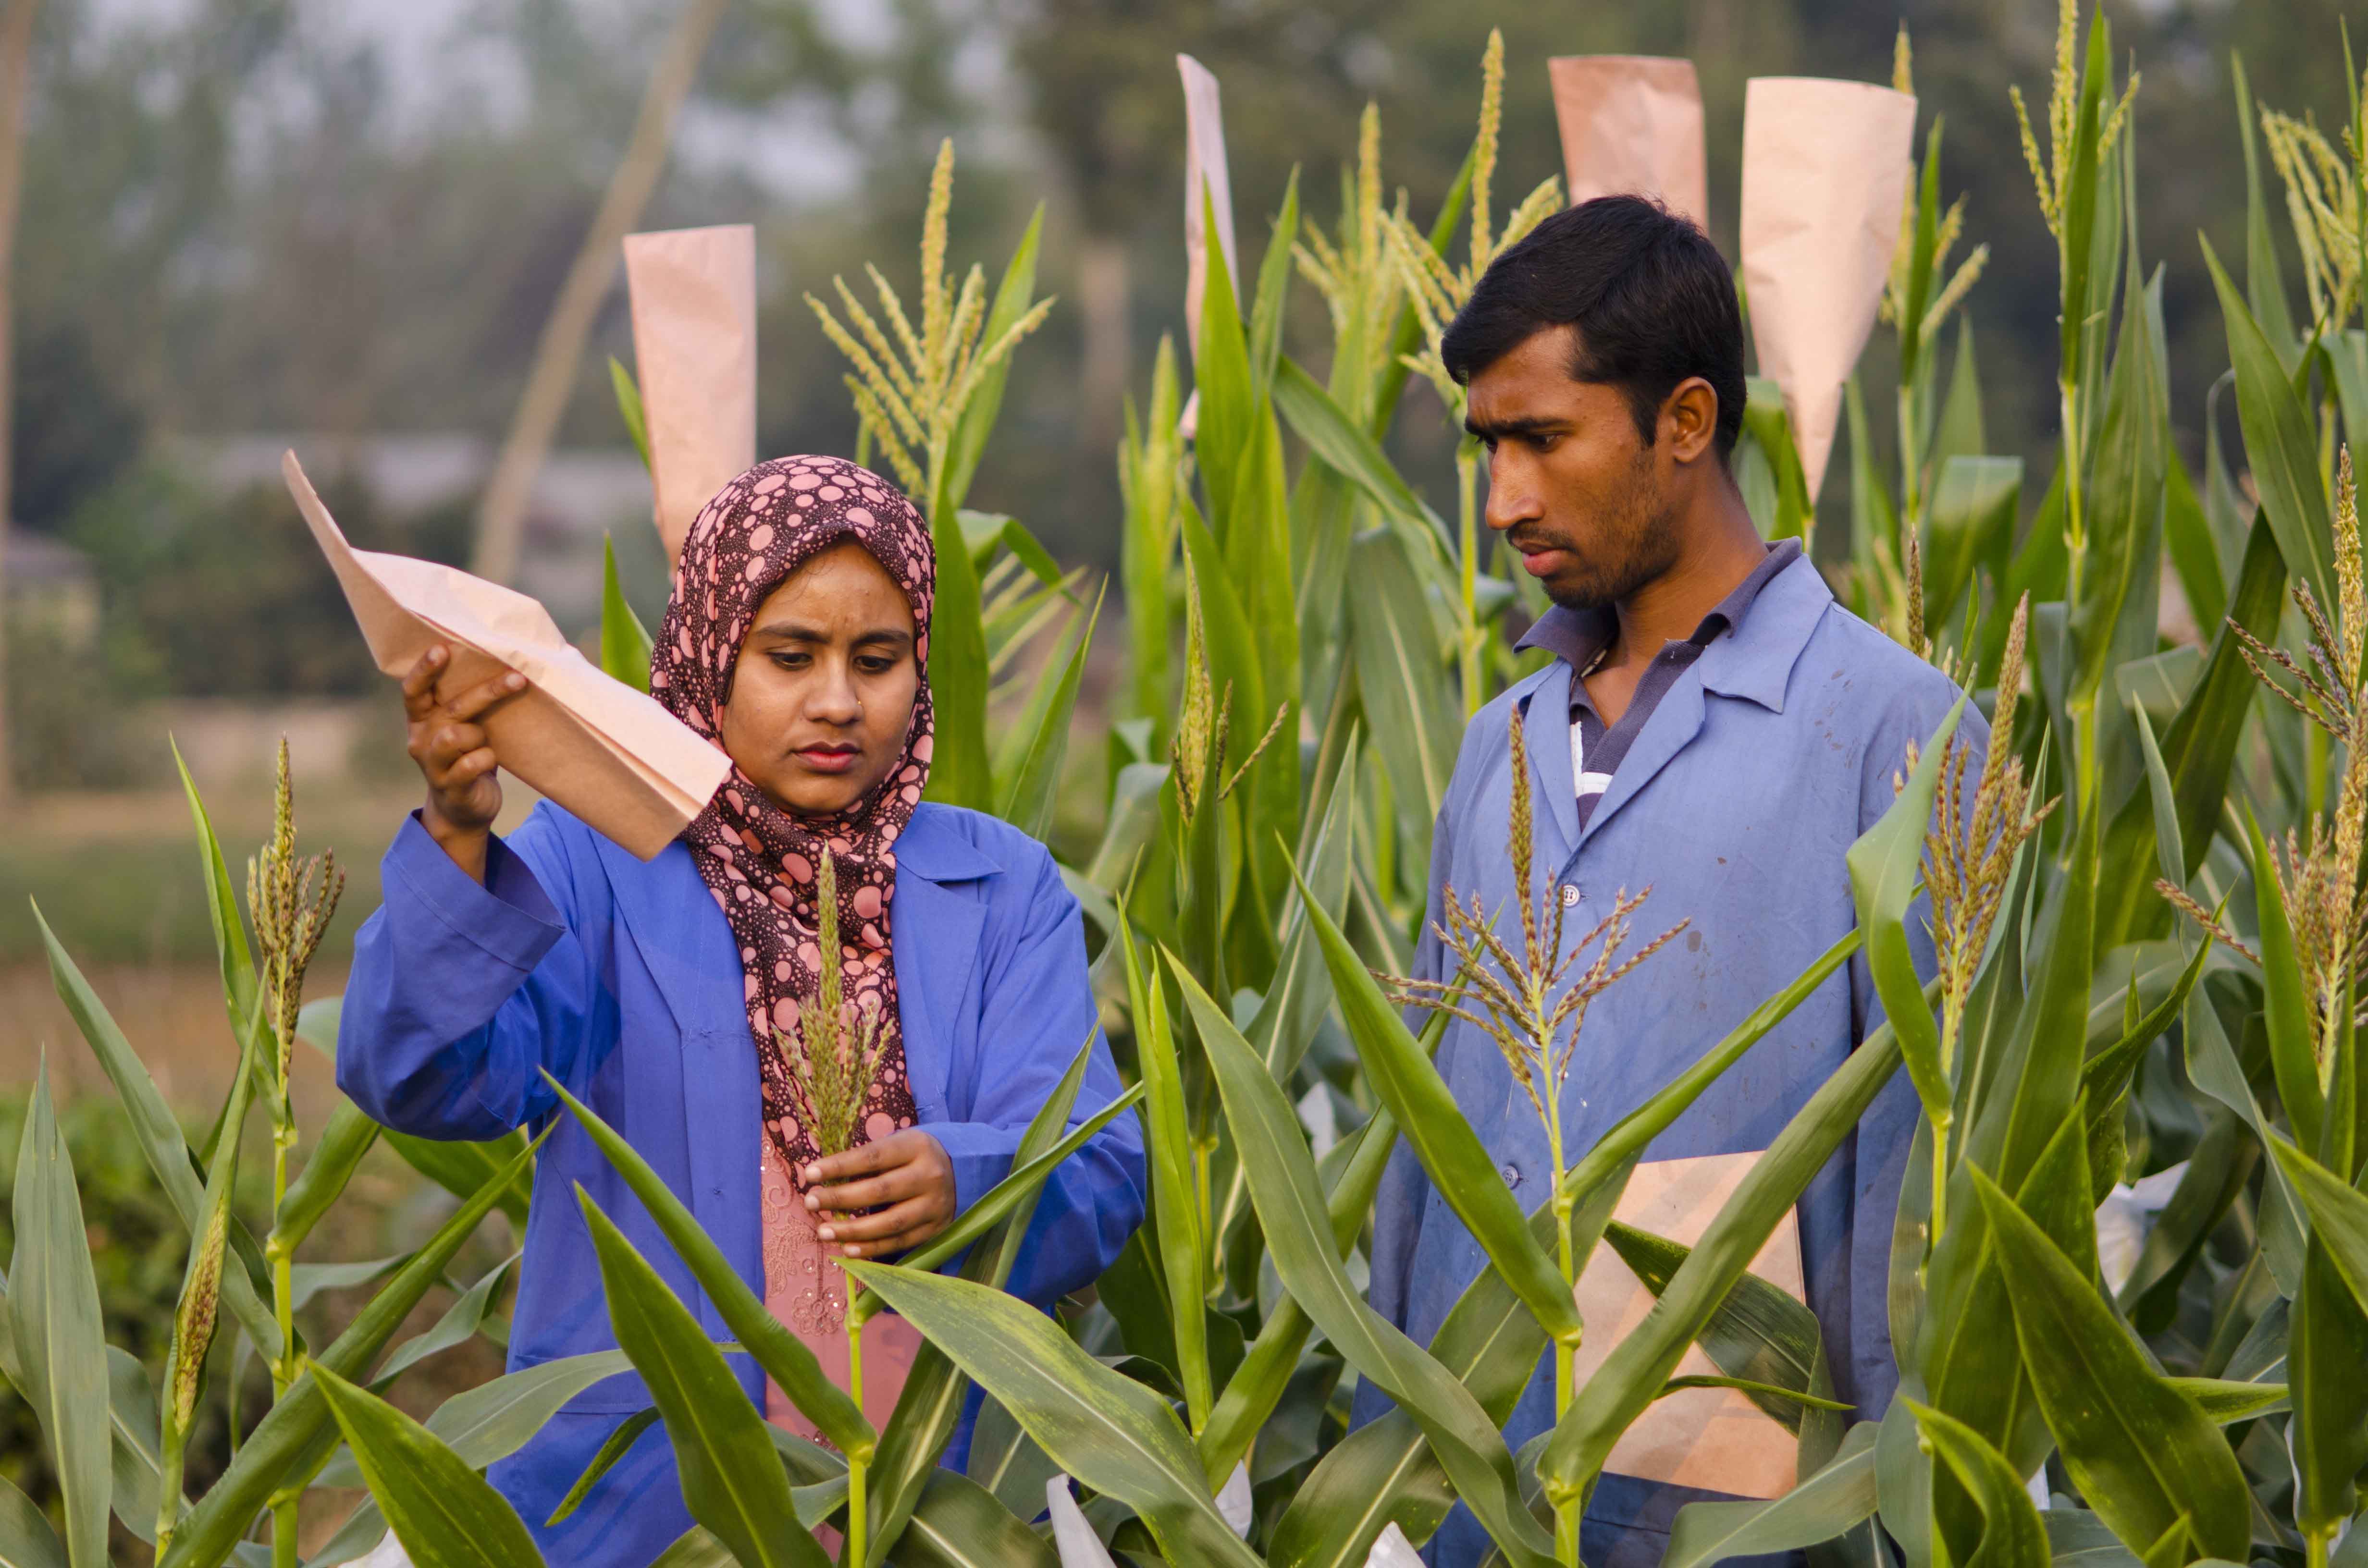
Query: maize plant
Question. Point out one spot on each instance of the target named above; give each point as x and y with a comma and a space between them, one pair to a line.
2128, 1279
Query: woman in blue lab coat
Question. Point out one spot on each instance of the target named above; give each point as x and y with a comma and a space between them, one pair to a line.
667, 995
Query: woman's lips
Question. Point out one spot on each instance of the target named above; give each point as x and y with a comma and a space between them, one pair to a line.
828, 759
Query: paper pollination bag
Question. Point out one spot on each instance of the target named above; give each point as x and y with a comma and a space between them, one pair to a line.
1207, 184
1711, 1437
1204, 168
605, 752
1825, 172
694, 300
1632, 124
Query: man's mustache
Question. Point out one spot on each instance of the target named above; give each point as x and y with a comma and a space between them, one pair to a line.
1530, 541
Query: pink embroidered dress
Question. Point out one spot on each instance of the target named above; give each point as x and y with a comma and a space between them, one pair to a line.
760, 863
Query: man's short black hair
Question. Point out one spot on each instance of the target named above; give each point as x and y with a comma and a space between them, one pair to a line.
1650, 295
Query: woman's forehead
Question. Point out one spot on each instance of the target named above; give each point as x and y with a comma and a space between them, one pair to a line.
841, 585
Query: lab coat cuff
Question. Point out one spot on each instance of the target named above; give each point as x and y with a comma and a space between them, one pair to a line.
509, 916
981, 1153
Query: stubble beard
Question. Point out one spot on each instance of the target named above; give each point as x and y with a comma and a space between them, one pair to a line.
1637, 546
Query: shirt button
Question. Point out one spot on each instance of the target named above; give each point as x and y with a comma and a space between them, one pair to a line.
1569, 895
1511, 1174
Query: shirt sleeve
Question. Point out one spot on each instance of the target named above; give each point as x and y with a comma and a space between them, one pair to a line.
1038, 1009
463, 994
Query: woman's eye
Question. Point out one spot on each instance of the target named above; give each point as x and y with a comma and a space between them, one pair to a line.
792, 660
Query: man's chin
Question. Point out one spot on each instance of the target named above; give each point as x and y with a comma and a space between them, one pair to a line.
1581, 591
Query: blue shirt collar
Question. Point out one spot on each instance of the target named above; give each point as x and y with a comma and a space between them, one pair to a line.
1766, 620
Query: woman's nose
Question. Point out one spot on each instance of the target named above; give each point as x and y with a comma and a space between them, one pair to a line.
832, 699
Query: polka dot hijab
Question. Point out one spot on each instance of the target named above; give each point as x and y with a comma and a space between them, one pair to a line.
762, 862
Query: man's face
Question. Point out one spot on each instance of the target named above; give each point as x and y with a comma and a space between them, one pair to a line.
1571, 486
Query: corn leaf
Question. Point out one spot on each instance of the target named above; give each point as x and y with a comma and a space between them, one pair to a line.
2327, 1349
292, 1441
1257, 1385
1975, 502
1028, 795
1297, 1222
2338, 1213
959, 1524
624, 642
961, 770
2281, 443
1825, 1505
2265, 285
345, 1140
1356, 457
2012, 1536
906, 1462
2285, 1006
1182, 1249
61, 1347
2198, 751
629, 408
1765, 1340
731, 1482
1633, 1376
1884, 872
2143, 1452
2228, 1401
442, 1511
783, 1356
1401, 680
2212, 1066
2123, 498
160, 1136
1109, 1432
1436, 1129
1013, 296
28, 1539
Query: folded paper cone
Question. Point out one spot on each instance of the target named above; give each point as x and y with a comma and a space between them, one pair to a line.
1204, 165
1711, 1437
1825, 173
694, 293
605, 752
1632, 124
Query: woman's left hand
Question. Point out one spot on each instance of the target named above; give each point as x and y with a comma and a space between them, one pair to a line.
905, 1177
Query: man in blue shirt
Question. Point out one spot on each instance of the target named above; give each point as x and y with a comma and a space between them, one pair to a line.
1714, 727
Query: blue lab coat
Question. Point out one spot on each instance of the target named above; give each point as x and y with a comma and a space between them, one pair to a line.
621, 979
1735, 805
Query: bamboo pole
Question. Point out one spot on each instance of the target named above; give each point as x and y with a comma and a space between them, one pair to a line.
501, 514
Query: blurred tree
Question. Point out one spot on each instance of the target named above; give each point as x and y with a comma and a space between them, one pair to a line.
559, 352
15, 60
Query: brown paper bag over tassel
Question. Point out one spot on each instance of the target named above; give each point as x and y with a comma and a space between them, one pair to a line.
1713, 1439
694, 294
1205, 172
1825, 173
1632, 124
1204, 165
605, 752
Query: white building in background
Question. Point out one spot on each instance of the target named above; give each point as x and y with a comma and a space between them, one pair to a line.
51, 585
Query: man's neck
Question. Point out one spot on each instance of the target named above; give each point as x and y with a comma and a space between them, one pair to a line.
1722, 549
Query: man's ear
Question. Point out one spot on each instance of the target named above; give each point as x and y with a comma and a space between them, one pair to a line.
1689, 419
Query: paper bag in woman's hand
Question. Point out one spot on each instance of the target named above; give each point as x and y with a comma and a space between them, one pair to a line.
605, 752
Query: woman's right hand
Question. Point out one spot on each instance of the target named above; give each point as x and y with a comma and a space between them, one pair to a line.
448, 741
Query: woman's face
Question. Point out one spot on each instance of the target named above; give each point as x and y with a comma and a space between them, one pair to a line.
823, 691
